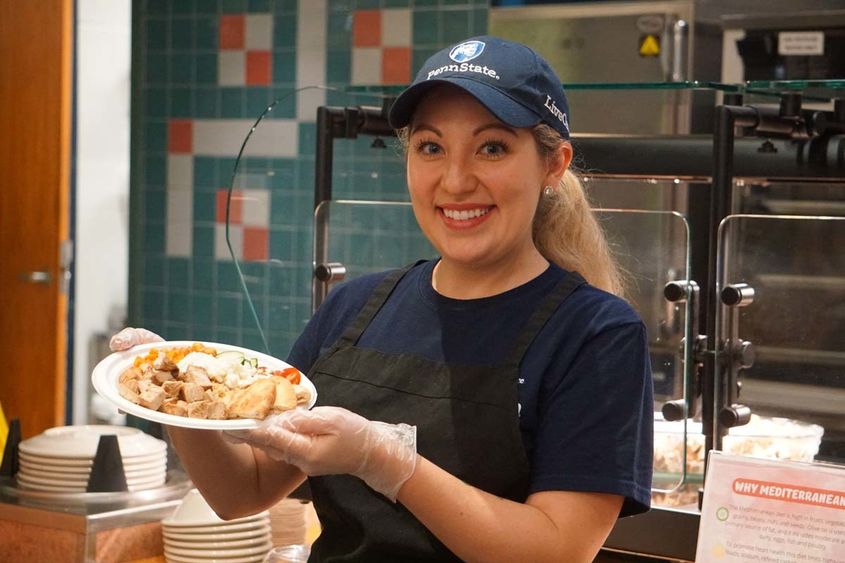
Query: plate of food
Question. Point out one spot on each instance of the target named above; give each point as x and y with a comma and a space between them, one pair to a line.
202, 385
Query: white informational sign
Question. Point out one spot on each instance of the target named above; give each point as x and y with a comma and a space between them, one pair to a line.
771, 511
801, 43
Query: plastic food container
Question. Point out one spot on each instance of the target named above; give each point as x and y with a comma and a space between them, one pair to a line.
765, 437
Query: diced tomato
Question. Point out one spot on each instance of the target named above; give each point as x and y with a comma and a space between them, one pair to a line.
291, 374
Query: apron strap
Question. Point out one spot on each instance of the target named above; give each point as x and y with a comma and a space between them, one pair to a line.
544, 311
373, 305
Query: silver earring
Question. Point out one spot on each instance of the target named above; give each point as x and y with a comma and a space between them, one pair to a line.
548, 191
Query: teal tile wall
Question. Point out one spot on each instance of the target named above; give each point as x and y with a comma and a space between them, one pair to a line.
175, 73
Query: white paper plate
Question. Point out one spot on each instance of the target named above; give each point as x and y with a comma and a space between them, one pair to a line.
59, 472
49, 488
80, 442
81, 462
69, 464
55, 469
219, 553
212, 527
220, 534
212, 543
170, 558
107, 372
133, 487
84, 464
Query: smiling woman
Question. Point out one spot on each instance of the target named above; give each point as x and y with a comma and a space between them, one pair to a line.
487, 405
475, 184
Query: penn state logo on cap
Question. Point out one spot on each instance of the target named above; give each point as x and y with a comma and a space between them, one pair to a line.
514, 82
466, 51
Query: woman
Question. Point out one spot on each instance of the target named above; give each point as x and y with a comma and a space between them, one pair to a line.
489, 405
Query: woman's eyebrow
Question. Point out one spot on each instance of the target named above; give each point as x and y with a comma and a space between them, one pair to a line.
426, 127
494, 125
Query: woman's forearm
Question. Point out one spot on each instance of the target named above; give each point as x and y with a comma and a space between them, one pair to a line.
235, 479
477, 526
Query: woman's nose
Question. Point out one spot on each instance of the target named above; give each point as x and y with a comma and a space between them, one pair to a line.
457, 177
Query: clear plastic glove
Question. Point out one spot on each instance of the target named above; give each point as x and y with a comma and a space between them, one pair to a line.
333, 441
129, 337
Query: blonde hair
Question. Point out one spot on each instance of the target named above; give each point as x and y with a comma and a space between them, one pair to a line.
565, 229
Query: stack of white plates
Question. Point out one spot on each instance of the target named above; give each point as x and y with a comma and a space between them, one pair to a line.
60, 459
194, 533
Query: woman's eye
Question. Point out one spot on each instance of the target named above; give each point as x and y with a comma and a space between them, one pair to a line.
428, 148
493, 149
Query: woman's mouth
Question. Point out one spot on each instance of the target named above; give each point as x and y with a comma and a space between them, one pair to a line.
464, 218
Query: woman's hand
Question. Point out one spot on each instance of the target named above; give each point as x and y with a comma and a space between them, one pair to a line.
332, 440
129, 337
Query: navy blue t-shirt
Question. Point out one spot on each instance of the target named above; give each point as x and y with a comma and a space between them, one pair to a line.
585, 386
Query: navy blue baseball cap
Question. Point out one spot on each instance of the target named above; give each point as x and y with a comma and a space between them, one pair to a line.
510, 79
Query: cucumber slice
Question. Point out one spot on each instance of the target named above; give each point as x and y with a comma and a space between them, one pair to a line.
231, 356
250, 361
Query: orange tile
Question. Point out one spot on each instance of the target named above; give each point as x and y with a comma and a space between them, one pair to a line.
366, 28
180, 136
258, 67
232, 31
235, 212
256, 243
396, 65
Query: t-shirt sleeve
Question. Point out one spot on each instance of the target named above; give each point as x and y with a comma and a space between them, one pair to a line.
327, 324
306, 348
595, 428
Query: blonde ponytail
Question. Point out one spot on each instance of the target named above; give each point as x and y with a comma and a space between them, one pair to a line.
565, 228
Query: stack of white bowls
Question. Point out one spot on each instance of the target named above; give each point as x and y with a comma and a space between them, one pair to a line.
60, 459
194, 533
288, 522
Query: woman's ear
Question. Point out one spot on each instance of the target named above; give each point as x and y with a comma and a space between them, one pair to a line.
559, 161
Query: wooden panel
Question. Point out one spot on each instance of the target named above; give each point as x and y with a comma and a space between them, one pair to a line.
25, 542
35, 102
134, 543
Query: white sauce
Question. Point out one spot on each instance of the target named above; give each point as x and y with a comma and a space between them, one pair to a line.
229, 371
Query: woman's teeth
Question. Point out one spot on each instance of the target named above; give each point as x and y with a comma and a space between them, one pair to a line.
465, 215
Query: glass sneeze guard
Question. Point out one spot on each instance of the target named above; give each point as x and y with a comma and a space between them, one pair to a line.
794, 318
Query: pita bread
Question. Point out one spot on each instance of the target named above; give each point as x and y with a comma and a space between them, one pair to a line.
254, 401
285, 395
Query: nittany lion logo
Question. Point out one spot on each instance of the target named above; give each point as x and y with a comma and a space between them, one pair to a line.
466, 51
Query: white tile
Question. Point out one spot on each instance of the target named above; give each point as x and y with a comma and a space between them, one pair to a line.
180, 207
396, 27
236, 236
310, 69
180, 172
256, 208
223, 137
311, 24
366, 65
276, 137
179, 239
220, 137
310, 57
231, 68
259, 31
